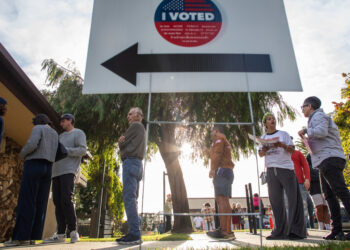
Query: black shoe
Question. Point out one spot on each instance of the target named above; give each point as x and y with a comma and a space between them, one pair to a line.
130, 239
216, 234
274, 237
334, 236
347, 236
120, 239
292, 236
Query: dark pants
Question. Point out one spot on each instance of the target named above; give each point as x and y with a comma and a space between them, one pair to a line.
167, 223
32, 200
216, 218
333, 186
280, 179
310, 208
63, 191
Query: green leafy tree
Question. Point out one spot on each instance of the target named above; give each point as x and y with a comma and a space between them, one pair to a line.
168, 138
342, 119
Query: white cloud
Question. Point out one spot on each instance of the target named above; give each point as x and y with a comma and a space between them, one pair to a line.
36, 30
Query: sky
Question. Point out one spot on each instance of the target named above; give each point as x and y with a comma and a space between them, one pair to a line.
320, 29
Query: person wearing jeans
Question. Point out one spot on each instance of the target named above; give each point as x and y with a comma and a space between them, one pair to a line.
64, 174
302, 171
132, 149
328, 156
132, 175
39, 153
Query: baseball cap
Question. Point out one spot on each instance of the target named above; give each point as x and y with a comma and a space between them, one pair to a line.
67, 116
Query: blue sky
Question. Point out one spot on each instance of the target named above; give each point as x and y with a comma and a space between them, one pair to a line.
36, 30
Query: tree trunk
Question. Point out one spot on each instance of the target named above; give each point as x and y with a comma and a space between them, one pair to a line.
170, 153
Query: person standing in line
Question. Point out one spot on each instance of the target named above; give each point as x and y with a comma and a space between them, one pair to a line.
39, 153
64, 174
132, 149
198, 223
302, 172
310, 208
3, 110
168, 207
317, 196
256, 202
328, 156
281, 176
241, 217
221, 170
235, 218
206, 209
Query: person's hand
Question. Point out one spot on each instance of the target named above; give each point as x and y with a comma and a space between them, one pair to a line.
211, 173
307, 184
121, 139
301, 133
263, 150
279, 145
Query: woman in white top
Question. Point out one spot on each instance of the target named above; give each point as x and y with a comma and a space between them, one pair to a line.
281, 175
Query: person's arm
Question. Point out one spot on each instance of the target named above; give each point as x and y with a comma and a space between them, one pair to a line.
306, 170
320, 130
263, 151
79, 148
133, 136
286, 143
216, 153
32, 142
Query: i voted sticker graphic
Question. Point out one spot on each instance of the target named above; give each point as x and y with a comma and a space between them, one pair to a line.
188, 23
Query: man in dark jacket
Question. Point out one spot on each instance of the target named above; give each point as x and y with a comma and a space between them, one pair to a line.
328, 156
132, 149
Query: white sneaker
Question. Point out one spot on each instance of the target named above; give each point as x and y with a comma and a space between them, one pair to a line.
74, 236
13, 243
56, 238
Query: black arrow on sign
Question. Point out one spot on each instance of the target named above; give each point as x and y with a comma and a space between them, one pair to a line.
127, 63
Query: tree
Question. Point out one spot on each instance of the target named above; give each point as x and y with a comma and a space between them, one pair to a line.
168, 138
342, 119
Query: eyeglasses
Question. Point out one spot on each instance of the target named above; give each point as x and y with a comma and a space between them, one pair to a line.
305, 105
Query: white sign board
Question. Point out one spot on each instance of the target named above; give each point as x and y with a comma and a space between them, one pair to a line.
138, 46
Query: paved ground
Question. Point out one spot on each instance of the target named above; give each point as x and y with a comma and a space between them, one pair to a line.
200, 241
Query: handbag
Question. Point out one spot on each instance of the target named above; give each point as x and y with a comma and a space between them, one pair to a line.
263, 177
61, 152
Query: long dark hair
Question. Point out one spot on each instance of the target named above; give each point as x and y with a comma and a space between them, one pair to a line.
41, 119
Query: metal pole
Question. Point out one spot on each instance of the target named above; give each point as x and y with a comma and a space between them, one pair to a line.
248, 209
164, 196
255, 152
100, 201
146, 146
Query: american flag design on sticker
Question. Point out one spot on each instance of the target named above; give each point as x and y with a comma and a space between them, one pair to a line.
188, 23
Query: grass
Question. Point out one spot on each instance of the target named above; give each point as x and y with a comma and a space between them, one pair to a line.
151, 237
182, 237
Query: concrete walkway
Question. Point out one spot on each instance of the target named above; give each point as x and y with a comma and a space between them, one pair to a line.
200, 241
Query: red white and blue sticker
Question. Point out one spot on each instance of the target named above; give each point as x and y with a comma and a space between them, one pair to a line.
188, 23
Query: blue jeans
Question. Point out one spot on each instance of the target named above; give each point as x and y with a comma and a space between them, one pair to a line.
32, 200
132, 175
